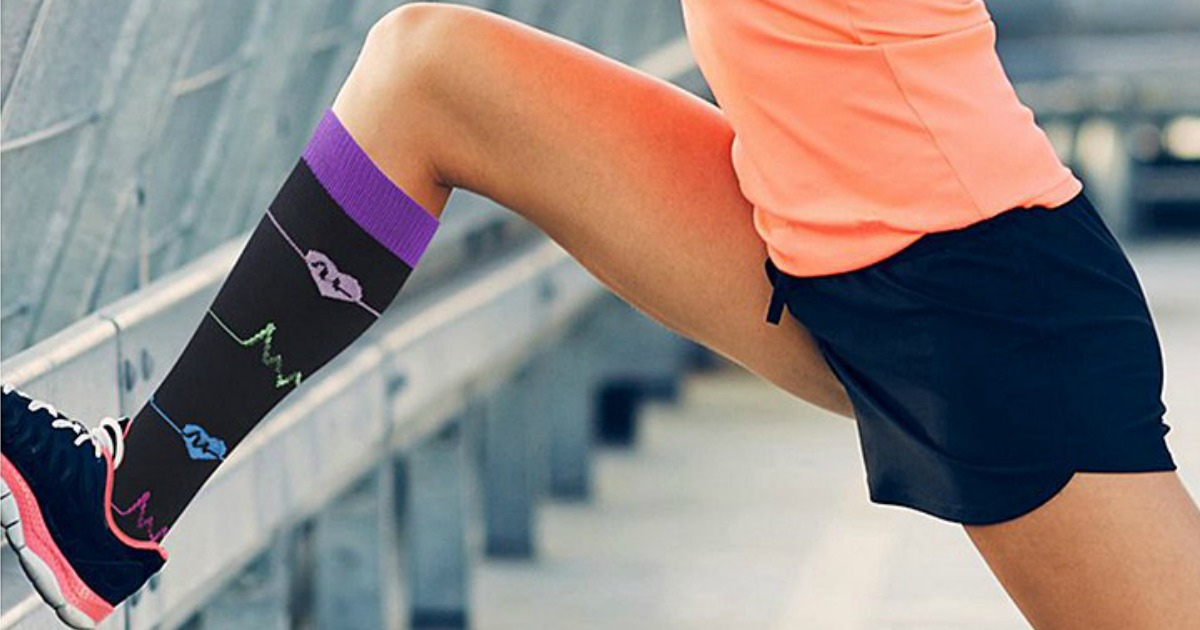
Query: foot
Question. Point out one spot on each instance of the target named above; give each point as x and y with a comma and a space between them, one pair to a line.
56, 505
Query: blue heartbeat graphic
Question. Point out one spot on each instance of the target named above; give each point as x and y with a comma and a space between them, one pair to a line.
200, 445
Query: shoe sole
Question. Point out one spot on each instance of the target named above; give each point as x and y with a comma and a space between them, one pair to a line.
43, 563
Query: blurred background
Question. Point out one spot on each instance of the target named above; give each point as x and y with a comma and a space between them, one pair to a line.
141, 139
138, 135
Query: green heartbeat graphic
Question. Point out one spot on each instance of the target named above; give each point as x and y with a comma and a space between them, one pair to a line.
274, 361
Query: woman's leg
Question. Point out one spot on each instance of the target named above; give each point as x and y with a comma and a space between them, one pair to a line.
628, 173
1119, 551
632, 176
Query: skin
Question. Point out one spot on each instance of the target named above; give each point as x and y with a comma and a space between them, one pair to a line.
632, 176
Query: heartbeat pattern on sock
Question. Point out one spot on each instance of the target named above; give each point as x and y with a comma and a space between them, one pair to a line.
358, 236
144, 521
266, 337
200, 445
331, 282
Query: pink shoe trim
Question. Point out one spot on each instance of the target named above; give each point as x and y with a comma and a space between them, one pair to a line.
41, 543
112, 524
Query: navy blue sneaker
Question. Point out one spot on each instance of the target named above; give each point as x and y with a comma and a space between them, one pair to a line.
56, 509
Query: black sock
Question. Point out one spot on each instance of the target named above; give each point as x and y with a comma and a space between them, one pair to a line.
332, 251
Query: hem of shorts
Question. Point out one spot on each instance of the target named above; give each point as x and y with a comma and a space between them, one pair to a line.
966, 515
1163, 463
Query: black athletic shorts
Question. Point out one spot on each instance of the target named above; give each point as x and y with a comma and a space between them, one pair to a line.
988, 364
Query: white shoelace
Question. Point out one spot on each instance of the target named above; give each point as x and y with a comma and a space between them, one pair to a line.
107, 436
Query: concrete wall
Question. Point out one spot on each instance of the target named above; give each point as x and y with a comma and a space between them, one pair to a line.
139, 134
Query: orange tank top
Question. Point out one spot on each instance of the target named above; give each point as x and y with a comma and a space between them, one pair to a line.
861, 125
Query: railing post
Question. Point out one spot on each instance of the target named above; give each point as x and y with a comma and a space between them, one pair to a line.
566, 376
256, 598
508, 469
639, 360
435, 531
351, 545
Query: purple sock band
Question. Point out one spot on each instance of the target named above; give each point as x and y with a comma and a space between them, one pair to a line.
366, 194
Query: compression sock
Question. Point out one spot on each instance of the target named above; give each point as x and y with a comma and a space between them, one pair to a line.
332, 251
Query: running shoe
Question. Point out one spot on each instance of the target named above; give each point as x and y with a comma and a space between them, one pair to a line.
56, 511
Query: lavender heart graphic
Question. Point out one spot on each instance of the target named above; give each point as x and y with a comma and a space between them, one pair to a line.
330, 282
201, 445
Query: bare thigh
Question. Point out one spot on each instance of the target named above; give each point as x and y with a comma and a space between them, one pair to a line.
1119, 551
630, 174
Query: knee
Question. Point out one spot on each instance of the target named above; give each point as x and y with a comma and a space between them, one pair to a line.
412, 27
405, 47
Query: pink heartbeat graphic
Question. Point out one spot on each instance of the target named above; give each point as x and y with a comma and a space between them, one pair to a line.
331, 282
144, 522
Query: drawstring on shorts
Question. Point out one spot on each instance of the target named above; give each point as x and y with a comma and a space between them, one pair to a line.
778, 294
